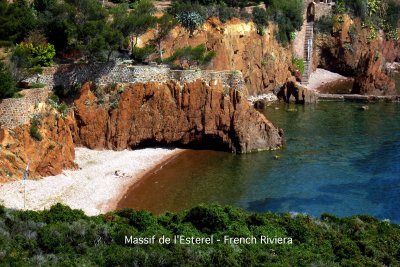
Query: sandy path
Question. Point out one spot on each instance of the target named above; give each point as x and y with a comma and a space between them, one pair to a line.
321, 77
94, 188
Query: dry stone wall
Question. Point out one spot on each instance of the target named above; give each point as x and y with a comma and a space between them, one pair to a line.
117, 72
18, 111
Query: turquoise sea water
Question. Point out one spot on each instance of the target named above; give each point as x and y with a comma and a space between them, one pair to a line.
338, 159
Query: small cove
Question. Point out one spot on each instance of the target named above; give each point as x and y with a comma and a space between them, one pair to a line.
338, 159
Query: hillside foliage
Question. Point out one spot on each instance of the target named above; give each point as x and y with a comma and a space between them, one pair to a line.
65, 237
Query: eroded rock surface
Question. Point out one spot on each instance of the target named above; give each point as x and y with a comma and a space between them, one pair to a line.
351, 51
195, 114
49, 156
265, 64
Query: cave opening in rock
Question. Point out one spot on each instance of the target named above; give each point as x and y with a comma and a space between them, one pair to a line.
205, 142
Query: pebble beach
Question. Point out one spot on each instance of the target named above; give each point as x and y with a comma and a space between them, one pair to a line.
101, 180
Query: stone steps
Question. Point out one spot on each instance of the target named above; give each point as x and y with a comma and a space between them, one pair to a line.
309, 35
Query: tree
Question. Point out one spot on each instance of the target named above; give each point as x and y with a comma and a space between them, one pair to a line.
136, 22
7, 84
164, 25
16, 20
288, 14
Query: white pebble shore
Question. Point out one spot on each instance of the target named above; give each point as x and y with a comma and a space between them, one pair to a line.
94, 187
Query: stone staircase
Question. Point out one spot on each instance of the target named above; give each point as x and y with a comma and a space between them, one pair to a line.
308, 50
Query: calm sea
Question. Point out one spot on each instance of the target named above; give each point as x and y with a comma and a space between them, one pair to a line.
338, 159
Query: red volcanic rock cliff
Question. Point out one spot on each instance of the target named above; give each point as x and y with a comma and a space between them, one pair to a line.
264, 63
194, 114
49, 156
351, 51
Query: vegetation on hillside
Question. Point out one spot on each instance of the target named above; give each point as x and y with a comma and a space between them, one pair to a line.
375, 15
64, 237
7, 84
192, 56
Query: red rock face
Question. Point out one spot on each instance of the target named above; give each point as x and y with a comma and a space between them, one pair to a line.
47, 157
265, 64
349, 51
195, 115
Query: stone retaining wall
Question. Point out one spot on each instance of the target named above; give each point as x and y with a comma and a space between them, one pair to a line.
116, 72
17, 111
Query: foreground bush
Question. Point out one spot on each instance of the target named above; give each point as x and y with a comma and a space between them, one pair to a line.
65, 237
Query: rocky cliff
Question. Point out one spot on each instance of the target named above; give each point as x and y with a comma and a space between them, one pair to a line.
137, 115
49, 156
195, 115
263, 61
350, 50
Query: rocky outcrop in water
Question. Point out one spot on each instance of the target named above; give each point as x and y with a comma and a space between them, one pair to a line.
194, 115
351, 51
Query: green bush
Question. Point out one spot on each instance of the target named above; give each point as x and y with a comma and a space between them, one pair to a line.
7, 84
62, 213
141, 54
260, 16
34, 129
299, 64
288, 15
65, 237
197, 56
40, 55
324, 24
208, 219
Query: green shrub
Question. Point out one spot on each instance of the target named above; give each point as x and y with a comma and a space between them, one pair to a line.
54, 101
208, 219
288, 15
35, 55
34, 129
226, 13
141, 54
299, 64
37, 85
198, 56
7, 84
324, 24
62, 213
260, 17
